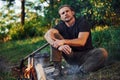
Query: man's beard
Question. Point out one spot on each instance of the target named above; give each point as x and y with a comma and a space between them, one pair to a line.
69, 19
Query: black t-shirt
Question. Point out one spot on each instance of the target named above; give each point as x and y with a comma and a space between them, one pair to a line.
81, 25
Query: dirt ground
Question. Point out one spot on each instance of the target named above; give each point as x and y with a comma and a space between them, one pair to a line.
4, 65
109, 72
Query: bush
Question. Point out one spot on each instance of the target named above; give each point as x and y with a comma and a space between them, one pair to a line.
30, 29
101, 35
33, 27
17, 32
109, 39
3, 33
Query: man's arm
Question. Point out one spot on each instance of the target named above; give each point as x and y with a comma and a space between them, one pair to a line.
51, 35
63, 44
80, 41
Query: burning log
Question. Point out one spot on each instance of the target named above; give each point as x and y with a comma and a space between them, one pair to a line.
40, 72
30, 72
33, 71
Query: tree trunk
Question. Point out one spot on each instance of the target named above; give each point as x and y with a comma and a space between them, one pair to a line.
22, 11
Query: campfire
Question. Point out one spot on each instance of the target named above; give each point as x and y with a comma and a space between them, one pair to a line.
35, 67
30, 72
33, 71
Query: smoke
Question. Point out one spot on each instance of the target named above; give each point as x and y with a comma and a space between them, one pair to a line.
45, 69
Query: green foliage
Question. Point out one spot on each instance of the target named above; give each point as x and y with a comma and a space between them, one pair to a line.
29, 29
22, 32
115, 31
3, 32
109, 39
16, 50
106, 36
101, 35
98, 12
17, 32
32, 28
6, 76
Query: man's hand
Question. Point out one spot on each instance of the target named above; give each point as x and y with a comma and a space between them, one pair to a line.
66, 49
58, 43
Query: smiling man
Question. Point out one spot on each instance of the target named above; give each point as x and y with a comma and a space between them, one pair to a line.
71, 39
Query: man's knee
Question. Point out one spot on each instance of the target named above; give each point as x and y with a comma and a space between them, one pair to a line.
104, 52
101, 52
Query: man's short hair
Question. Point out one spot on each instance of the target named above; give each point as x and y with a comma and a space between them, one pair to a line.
66, 6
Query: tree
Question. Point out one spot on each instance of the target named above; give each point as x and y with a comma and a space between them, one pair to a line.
98, 12
22, 11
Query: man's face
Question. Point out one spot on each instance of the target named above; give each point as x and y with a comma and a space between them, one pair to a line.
66, 14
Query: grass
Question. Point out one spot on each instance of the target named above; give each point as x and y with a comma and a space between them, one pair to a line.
13, 51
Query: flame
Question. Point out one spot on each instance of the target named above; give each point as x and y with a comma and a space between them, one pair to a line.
28, 72
31, 71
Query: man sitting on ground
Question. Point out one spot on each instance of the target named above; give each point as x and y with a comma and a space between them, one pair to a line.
71, 39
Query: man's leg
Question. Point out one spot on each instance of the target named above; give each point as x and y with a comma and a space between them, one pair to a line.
94, 59
56, 58
56, 55
74, 61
